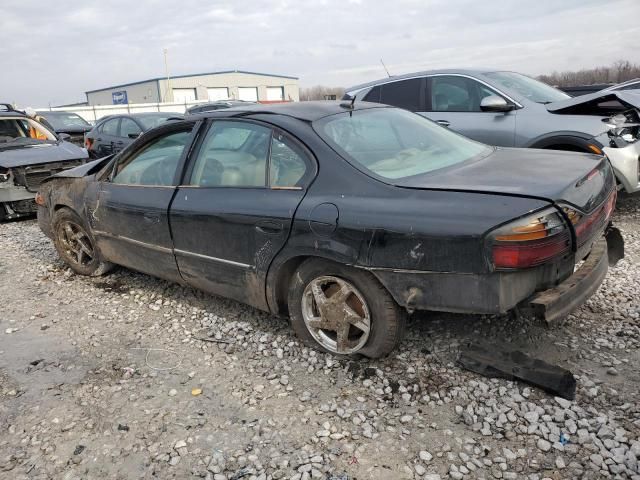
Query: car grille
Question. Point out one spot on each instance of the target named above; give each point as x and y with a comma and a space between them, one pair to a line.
32, 176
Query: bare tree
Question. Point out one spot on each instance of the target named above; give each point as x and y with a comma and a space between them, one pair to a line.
619, 71
320, 92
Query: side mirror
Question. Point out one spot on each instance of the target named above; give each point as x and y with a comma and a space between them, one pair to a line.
134, 135
64, 137
494, 103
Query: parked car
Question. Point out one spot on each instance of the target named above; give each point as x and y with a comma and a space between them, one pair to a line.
113, 133
512, 110
578, 90
29, 152
67, 123
217, 105
343, 216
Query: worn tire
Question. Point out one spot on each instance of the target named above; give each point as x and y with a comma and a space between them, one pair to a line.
3, 212
387, 318
96, 266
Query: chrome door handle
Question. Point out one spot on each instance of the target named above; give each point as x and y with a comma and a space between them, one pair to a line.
443, 123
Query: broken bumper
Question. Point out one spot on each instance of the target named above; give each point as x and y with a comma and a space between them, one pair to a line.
559, 301
626, 165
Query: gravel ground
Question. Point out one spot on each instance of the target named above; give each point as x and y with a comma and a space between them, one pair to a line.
109, 378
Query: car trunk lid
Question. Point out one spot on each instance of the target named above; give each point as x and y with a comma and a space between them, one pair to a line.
581, 180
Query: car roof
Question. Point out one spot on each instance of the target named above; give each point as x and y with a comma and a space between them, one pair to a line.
7, 110
305, 111
460, 71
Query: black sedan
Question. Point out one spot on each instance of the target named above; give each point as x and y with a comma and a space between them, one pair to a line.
343, 217
114, 132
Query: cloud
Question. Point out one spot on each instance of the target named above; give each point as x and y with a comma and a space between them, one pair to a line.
52, 52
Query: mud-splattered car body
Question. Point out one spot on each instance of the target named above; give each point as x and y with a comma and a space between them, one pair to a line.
26, 161
502, 228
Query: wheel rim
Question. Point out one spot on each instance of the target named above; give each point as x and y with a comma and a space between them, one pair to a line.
336, 314
75, 243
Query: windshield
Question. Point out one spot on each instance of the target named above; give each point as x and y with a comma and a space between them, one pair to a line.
16, 131
394, 143
62, 120
529, 88
153, 121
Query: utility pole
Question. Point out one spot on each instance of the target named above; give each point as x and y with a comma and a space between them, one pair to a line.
166, 70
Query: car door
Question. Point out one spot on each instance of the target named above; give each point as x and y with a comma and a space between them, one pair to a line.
107, 135
453, 101
234, 210
129, 131
130, 220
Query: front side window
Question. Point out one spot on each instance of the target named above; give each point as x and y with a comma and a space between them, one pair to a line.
393, 143
110, 127
129, 128
154, 164
527, 87
233, 154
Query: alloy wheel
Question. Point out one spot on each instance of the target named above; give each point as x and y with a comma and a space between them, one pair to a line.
76, 243
336, 314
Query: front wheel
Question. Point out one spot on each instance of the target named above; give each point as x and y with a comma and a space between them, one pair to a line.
76, 246
343, 310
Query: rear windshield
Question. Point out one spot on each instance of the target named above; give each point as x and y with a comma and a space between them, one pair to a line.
393, 143
153, 121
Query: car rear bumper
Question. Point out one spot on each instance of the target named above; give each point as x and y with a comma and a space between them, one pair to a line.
499, 292
559, 301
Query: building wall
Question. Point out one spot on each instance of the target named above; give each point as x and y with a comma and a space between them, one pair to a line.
144, 92
233, 80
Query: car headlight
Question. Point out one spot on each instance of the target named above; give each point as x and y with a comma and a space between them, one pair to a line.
624, 128
5, 174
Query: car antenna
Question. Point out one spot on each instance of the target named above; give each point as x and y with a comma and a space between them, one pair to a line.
385, 68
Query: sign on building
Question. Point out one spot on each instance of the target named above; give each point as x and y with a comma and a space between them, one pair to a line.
119, 98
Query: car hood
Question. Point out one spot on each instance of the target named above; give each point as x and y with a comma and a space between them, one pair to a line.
88, 168
580, 179
38, 154
629, 98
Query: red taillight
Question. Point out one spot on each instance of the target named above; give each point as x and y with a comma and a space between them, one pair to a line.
530, 241
586, 225
88, 142
530, 254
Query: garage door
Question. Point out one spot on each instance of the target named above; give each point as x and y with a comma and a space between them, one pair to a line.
184, 95
248, 94
275, 94
218, 93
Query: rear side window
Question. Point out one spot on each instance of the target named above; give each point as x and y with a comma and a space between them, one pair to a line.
233, 154
288, 166
405, 94
110, 127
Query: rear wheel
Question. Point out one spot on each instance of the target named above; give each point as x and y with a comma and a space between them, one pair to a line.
343, 310
76, 246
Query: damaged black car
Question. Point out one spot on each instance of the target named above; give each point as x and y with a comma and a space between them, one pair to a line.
29, 153
342, 216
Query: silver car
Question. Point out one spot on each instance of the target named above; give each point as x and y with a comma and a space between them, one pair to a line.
509, 109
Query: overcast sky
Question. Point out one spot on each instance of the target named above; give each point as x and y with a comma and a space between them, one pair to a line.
53, 51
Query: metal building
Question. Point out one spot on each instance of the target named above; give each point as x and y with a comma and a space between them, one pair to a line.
238, 85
